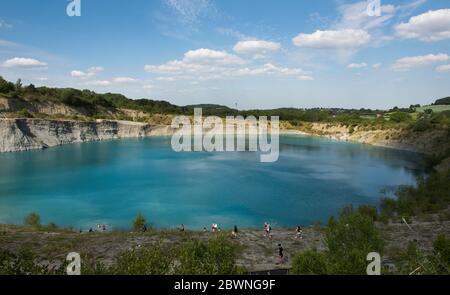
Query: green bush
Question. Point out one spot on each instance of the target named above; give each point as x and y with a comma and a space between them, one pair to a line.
215, 257
441, 254
349, 239
33, 219
149, 261
421, 125
431, 194
309, 262
139, 222
368, 210
24, 113
399, 117
22, 263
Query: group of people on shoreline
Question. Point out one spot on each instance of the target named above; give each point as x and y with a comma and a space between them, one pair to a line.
100, 228
215, 228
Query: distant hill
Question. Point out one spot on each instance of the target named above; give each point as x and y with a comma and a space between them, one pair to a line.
443, 101
214, 109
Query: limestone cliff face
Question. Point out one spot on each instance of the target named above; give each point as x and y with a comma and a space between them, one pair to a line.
28, 134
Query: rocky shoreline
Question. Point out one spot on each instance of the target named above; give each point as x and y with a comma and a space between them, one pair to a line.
427, 142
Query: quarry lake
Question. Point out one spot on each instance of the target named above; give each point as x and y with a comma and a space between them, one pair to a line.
82, 185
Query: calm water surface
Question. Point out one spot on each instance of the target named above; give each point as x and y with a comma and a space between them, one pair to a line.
82, 185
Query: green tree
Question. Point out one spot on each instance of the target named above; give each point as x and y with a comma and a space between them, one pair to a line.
33, 219
349, 239
5, 86
18, 85
310, 262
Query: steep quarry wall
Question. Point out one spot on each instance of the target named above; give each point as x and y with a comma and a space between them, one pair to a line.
28, 134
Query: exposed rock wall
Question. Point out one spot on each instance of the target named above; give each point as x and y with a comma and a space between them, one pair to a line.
28, 134
427, 142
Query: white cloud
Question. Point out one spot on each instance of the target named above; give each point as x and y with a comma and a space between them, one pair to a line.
148, 86
407, 63
443, 68
165, 79
357, 65
430, 26
333, 39
211, 57
197, 61
78, 74
101, 83
89, 73
256, 46
22, 62
272, 70
124, 80
206, 64
42, 79
202, 63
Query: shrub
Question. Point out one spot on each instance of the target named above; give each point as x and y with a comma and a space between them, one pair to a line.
24, 113
215, 257
431, 194
148, 261
399, 117
412, 261
441, 253
22, 263
370, 211
421, 125
52, 227
349, 239
309, 262
33, 219
139, 222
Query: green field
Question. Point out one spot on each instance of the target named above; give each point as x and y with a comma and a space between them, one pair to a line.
435, 108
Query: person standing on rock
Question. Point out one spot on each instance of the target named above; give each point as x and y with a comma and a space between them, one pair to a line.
280, 253
299, 232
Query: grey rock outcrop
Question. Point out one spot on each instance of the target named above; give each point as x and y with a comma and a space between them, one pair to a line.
28, 134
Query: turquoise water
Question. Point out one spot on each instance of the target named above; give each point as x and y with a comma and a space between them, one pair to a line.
82, 185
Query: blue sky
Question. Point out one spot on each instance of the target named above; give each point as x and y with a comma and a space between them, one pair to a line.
253, 53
